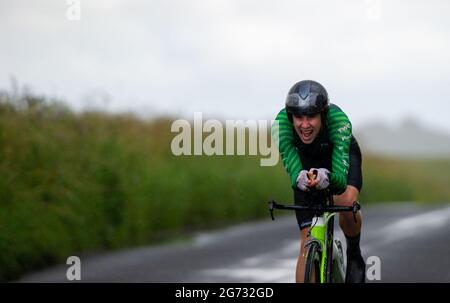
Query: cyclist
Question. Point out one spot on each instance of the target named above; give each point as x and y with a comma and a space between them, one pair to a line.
313, 134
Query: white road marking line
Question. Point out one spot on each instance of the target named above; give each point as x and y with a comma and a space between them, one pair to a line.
410, 227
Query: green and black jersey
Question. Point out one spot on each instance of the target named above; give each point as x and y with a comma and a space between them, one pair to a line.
338, 133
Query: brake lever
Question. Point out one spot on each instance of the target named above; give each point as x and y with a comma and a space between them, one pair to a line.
355, 209
271, 209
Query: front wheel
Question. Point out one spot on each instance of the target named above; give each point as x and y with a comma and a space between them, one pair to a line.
312, 265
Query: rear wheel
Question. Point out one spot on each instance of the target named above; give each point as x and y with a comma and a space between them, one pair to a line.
312, 265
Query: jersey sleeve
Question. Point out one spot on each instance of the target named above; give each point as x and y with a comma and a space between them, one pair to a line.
283, 137
340, 134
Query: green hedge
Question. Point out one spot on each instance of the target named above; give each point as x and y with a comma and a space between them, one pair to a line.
74, 183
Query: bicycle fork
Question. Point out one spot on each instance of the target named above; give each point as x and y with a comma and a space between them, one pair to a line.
332, 268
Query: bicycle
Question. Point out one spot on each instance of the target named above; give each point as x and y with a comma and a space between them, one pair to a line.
321, 243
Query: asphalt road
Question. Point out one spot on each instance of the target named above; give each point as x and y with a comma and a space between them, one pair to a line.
411, 241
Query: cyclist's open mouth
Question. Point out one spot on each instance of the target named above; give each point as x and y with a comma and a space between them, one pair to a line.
306, 134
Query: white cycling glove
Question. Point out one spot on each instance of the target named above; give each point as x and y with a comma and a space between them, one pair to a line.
302, 180
322, 178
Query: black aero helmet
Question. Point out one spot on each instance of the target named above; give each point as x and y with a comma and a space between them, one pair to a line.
306, 97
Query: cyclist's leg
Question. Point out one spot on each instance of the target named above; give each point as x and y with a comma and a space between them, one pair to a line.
304, 220
356, 267
300, 270
354, 185
346, 219
355, 263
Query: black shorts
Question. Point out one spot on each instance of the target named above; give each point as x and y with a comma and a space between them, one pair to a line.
354, 177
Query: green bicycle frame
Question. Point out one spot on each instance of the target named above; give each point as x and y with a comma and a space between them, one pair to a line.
319, 232
332, 266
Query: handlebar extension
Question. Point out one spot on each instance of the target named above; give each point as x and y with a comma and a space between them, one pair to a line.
316, 208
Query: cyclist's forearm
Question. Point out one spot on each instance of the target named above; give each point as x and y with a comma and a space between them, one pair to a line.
338, 183
340, 132
283, 136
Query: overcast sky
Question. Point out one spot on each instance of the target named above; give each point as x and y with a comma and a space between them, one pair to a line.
234, 59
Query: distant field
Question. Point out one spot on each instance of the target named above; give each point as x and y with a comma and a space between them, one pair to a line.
82, 183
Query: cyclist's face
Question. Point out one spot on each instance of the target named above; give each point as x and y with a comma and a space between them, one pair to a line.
307, 127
